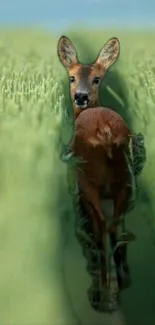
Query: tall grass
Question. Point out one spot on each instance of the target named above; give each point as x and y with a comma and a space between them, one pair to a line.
35, 207
30, 176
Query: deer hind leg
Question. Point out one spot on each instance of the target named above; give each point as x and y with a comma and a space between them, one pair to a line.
98, 227
120, 255
99, 275
91, 200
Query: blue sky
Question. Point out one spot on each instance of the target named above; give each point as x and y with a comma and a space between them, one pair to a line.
61, 14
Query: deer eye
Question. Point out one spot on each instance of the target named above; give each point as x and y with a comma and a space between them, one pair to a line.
96, 80
72, 79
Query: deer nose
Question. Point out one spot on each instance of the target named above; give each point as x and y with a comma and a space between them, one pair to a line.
81, 96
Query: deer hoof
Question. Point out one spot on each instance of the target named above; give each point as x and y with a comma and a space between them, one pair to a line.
94, 296
103, 301
110, 300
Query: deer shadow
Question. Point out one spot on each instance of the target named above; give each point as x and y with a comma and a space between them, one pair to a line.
137, 301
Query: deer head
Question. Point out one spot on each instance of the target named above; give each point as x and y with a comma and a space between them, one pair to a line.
85, 79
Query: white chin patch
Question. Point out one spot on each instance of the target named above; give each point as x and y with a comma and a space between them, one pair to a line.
82, 106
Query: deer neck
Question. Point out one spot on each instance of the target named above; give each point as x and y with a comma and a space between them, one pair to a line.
94, 104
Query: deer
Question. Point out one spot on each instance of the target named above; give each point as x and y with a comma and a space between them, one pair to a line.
85, 81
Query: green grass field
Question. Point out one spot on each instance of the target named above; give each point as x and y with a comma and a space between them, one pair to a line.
35, 207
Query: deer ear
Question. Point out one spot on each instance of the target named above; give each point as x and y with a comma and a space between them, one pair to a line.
66, 52
109, 53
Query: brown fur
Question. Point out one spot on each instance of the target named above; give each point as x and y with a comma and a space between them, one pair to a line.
99, 131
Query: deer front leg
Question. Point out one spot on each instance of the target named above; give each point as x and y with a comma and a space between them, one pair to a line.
91, 200
121, 198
